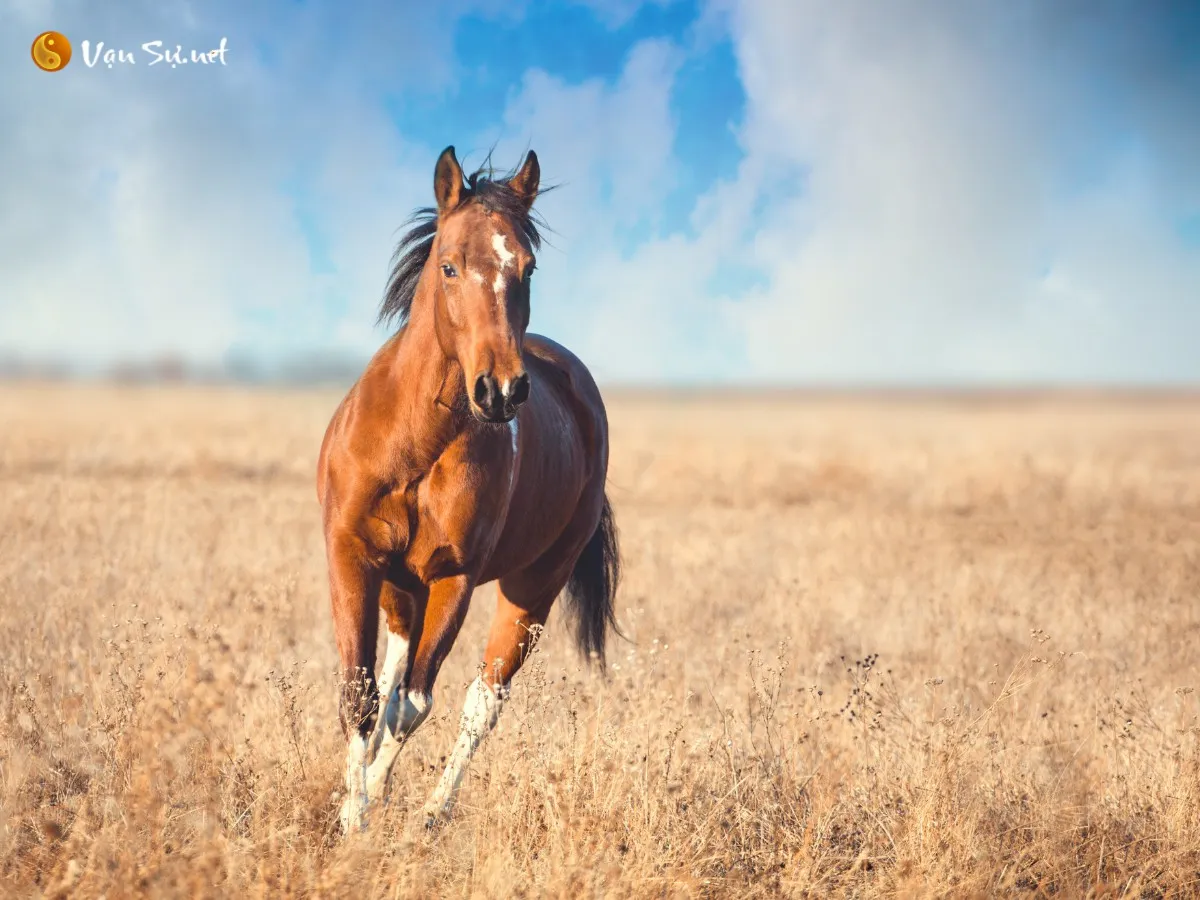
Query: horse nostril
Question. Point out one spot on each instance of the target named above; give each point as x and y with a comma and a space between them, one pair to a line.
485, 391
518, 391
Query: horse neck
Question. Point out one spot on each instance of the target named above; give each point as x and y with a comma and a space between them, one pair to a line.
427, 384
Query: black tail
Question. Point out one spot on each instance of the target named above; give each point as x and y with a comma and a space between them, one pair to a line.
592, 588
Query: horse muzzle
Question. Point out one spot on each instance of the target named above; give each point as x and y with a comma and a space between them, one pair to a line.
497, 403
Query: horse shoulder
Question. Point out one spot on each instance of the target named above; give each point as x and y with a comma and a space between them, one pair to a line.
360, 495
332, 434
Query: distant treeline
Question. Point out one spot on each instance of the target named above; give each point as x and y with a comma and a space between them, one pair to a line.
306, 370
327, 369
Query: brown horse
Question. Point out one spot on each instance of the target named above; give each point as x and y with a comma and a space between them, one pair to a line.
468, 451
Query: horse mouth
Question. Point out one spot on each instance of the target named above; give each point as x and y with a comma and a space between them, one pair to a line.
502, 417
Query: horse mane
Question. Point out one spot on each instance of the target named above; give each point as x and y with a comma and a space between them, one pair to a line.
414, 248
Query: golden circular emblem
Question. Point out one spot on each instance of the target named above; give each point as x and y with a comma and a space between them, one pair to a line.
51, 51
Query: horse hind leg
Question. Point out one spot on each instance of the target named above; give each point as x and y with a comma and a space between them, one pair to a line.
523, 603
515, 630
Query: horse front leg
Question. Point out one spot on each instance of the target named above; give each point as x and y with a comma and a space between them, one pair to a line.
354, 597
411, 698
401, 609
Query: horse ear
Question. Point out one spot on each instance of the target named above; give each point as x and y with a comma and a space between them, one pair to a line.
525, 182
447, 182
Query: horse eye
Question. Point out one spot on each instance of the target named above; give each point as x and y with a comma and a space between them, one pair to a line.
448, 270
529, 271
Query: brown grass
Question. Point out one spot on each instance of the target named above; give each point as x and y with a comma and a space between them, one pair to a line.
880, 648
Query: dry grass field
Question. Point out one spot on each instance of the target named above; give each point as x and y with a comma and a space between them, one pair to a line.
879, 647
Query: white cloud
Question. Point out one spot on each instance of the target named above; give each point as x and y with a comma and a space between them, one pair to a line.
935, 142
929, 191
145, 210
610, 150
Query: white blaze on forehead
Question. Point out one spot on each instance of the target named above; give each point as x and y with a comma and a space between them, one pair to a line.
499, 289
477, 277
500, 245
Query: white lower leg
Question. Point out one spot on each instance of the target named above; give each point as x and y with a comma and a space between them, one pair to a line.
391, 686
383, 744
481, 711
354, 806
408, 711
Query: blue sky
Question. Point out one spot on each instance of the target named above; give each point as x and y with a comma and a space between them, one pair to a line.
767, 190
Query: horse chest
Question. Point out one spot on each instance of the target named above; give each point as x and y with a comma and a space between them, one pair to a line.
387, 526
436, 527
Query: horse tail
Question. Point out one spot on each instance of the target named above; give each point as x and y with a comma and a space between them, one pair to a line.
592, 588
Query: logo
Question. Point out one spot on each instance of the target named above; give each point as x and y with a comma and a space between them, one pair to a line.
51, 51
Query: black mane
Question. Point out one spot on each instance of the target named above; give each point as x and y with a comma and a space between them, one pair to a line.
413, 250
